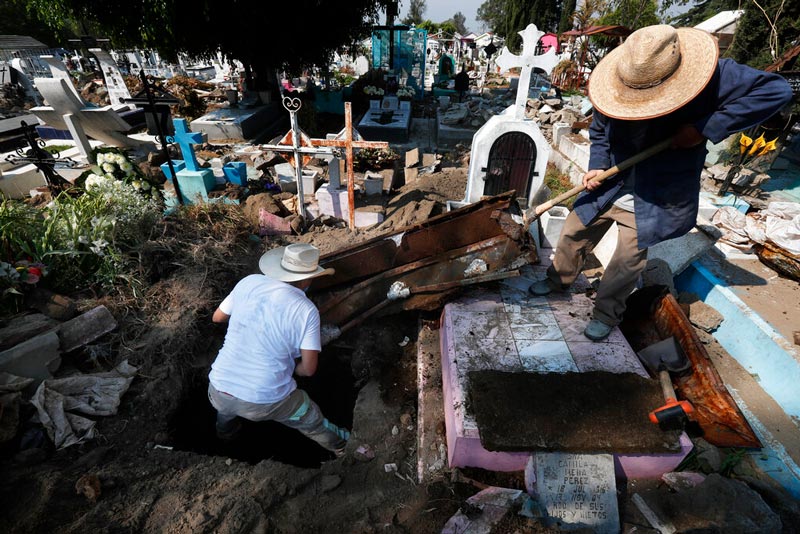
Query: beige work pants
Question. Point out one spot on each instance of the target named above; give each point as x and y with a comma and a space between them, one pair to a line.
622, 273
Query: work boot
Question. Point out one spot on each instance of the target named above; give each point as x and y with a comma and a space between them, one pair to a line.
230, 430
543, 287
597, 330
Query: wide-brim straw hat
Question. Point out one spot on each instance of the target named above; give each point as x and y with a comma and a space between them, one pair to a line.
292, 263
657, 70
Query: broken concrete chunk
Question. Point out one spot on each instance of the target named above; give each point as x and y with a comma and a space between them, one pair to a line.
412, 157
25, 327
36, 358
86, 328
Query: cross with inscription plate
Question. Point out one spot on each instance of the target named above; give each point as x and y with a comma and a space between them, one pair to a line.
528, 60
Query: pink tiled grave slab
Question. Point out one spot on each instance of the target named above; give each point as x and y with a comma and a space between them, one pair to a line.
511, 330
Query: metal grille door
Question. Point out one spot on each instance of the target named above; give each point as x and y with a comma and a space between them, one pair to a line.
511, 165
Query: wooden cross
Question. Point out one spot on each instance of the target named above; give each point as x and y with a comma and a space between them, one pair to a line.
298, 143
348, 143
528, 60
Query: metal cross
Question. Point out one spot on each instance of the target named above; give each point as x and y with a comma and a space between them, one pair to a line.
186, 139
528, 60
42, 159
156, 101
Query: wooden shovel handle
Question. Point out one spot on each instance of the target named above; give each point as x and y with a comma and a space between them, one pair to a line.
630, 162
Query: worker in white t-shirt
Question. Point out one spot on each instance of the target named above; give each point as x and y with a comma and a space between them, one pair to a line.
273, 334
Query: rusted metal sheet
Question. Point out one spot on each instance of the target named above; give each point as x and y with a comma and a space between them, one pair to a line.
459, 228
654, 314
342, 306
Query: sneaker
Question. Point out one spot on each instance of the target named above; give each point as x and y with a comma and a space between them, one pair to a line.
542, 287
597, 330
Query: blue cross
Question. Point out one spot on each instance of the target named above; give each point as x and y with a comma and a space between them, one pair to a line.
186, 138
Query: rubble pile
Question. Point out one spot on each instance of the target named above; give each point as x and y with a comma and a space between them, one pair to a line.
12, 100
550, 111
546, 111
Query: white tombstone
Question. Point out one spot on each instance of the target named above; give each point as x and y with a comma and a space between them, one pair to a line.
117, 90
21, 69
512, 120
361, 66
103, 124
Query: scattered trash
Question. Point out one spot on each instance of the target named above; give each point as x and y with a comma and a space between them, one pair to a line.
164, 447
395, 430
364, 453
390, 468
404, 342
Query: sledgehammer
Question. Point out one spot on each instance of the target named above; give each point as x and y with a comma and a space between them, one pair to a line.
674, 412
533, 214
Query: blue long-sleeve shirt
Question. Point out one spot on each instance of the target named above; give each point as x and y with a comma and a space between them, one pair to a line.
666, 187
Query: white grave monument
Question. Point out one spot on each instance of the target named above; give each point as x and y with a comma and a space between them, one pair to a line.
117, 90
499, 130
66, 110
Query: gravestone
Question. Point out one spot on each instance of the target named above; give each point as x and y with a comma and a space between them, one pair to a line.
513, 120
101, 123
575, 491
115, 83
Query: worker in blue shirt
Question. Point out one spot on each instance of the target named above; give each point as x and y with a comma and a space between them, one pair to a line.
661, 83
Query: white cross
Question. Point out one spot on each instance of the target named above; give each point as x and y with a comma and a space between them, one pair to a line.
528, 60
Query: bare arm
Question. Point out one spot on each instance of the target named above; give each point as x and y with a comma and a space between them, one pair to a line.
220, 316
307, 365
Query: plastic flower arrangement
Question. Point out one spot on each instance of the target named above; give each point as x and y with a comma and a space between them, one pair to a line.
372, 91
405, 92
749, 150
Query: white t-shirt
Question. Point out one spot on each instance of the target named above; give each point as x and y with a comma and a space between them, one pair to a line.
270, 322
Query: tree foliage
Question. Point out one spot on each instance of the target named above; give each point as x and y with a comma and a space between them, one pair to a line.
545, 14
763, 36
633, 14
459, 20
416, 12
567, 16
15, 19
492, 14
251, 31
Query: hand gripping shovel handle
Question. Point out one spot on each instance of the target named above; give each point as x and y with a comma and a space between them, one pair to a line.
534, 214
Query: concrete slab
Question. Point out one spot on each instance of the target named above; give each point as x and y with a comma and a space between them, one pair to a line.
237, 123
514, 331
37, 358
678, 253
575, 491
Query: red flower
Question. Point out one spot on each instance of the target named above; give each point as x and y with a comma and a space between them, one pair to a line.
35, 271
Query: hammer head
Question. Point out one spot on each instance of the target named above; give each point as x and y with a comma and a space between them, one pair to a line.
672, 416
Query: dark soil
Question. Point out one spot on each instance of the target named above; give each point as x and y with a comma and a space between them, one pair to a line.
576, 412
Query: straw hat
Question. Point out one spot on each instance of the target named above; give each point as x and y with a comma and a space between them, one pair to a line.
292, 263
655, 71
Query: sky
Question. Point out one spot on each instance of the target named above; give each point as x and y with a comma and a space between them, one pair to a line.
441, 10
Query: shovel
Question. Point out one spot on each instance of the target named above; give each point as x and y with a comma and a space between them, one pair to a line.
535, 213
661, 359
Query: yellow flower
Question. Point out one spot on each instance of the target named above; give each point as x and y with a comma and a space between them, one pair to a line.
769, 147
757, 144
744, 142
